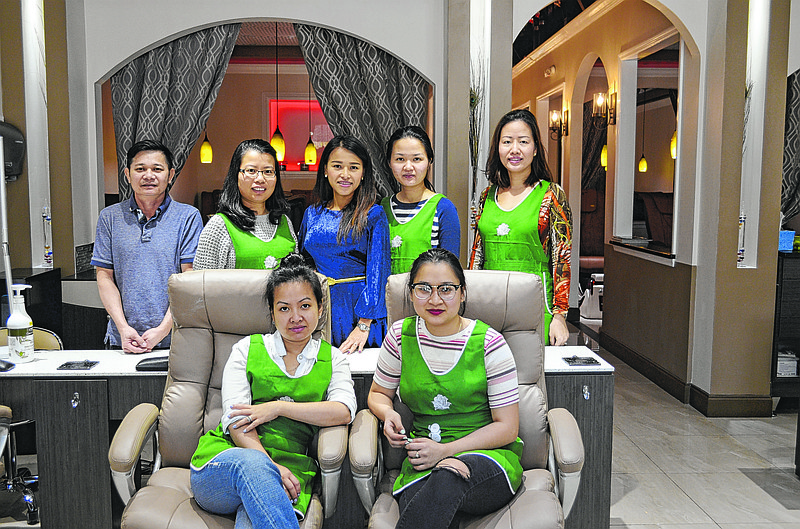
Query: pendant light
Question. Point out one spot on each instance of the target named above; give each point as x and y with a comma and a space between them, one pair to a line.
277, 138
643, 160
311, 150
206, 153
673, 145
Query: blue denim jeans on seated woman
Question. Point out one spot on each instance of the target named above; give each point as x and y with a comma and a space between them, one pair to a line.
434, 502
247, 482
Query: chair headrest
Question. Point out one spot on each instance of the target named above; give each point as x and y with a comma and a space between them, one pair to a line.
229, 301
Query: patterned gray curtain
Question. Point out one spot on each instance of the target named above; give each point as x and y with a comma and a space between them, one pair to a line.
363, 91
594, 174
790, 191
167, 94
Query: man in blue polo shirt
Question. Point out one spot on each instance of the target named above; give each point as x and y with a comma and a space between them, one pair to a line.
139, 243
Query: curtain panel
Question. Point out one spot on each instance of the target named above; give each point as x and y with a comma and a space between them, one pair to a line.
167, 94
363, 91
594, 137
790, 190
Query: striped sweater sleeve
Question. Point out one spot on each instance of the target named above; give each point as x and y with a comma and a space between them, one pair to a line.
501, 371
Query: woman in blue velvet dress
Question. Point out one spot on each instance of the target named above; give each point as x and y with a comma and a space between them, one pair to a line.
346, 233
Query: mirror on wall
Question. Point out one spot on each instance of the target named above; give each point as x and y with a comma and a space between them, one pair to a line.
594, 165
656, 148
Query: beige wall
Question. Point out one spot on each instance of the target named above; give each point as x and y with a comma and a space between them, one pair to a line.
719, 317
58, 131
59, 138
14, 110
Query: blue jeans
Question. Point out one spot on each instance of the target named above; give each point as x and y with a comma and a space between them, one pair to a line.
435, 501
247, 482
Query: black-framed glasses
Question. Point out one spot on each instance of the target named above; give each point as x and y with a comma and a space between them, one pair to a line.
446, 291
251, 172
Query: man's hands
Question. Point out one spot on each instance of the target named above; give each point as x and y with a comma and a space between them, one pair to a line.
132, 342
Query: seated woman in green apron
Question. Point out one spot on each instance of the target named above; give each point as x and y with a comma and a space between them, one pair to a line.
419, 218
459, 378
251, 228
524, 222
277, 390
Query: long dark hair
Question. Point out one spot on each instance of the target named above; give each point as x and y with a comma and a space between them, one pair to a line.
497, 173
434, 256
354, 215
230, 200
419, 134
293, 269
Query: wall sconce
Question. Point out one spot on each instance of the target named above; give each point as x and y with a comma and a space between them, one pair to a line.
555, 124
604, 109
604, 157
206, 152
600, 106
558, 125
612, 108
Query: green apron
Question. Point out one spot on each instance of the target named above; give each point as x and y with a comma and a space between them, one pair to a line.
511, 242
407, 241
253, 253
452, 405
285, 440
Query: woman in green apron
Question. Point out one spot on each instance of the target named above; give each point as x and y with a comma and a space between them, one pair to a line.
251, 228
459, 378
419, 218
277, 390
524, 222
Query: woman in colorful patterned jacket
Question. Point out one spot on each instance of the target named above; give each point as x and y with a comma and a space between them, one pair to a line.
524, 221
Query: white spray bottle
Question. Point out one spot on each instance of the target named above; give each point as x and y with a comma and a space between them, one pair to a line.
20, 328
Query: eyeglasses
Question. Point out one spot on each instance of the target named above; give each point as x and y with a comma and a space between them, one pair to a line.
423, 291
251, 172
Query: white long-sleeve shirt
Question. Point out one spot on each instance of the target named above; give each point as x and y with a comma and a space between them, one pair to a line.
236, 388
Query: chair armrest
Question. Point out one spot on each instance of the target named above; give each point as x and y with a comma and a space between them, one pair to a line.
364, 456
136, 429
567, 440
331, 447
364, 443
567, 453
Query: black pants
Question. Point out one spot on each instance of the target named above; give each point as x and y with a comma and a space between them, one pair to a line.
435, 501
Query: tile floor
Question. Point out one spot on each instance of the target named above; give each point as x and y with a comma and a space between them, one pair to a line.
673, 468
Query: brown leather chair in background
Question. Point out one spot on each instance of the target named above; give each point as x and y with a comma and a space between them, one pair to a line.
512, 303
212, 310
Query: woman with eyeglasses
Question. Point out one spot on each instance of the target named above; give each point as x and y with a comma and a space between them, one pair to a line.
459, 378
251, 228
524, 221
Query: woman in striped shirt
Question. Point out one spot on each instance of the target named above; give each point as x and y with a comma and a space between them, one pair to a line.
419, 218
459, 378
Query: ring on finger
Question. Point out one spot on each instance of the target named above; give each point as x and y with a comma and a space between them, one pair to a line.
249, 419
